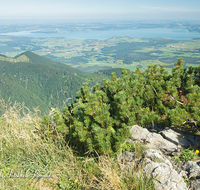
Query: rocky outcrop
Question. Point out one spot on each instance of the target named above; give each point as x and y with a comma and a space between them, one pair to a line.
156, 161
193, 173
154, 164
193, 169
169, 141
152, 140
161, 169
176, 138
180, 138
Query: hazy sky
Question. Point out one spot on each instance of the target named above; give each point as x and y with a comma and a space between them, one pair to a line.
101, 9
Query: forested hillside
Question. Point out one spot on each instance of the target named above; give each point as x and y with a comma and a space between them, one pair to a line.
38, 81
34, 58
11, 90
117, 71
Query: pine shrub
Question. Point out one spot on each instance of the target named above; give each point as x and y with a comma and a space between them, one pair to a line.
99, 119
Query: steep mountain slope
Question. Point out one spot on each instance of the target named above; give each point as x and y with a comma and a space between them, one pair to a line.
12, 92
42, 80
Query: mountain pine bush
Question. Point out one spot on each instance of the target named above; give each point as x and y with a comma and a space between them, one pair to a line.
99, 119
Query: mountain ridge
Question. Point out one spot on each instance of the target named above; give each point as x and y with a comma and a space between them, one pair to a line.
34, 58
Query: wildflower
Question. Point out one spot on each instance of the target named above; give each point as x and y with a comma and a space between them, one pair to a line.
54, 124
197, 151
76, 180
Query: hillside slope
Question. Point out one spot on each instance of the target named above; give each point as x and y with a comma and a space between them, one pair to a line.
34, 58
11, 92
55, 84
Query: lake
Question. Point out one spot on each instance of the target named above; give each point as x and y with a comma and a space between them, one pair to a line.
178, 34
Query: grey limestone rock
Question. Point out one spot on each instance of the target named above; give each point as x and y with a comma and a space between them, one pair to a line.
166, 174
156, 156
193, 169
126, 156
152, 140
159, 167
175, 138
195, 185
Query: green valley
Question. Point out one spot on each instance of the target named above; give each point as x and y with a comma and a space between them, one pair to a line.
94, 55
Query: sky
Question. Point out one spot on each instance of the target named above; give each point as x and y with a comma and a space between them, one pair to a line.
101, 9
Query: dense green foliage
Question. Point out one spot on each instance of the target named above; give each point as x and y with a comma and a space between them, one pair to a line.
117, 71
98, 119
11, 91
42, 82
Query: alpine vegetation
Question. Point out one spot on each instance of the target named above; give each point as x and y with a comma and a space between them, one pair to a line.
99, 119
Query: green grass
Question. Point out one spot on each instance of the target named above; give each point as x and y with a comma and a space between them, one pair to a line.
29, 149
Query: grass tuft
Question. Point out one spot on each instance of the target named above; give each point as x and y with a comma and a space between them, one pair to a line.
30, 161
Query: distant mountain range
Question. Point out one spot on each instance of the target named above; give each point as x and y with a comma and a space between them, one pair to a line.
42, 83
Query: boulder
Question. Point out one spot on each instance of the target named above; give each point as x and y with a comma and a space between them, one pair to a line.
154, 164
156, 156
193, 169
160, 168
166, 174
175, 138
152, 140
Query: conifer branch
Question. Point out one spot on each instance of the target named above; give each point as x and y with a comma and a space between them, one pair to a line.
176, 100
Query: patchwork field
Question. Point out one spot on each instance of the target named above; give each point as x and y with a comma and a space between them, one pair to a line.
93, 55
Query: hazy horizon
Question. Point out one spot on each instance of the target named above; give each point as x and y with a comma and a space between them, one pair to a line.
105, 10
82, 21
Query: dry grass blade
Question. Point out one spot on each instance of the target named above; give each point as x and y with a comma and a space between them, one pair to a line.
24, 148
111, 178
